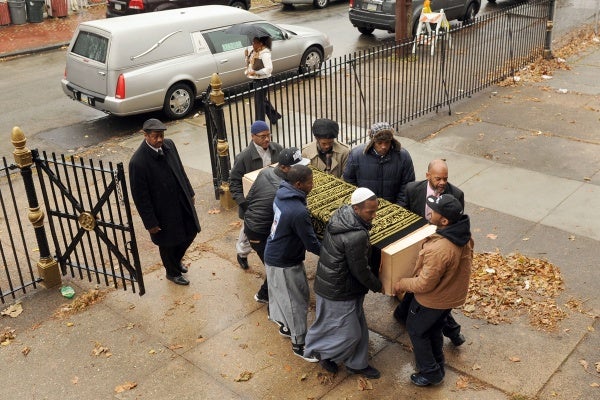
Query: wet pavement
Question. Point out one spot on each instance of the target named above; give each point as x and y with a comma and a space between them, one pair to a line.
527, 157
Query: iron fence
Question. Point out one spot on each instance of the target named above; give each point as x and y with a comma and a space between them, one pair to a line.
396, 82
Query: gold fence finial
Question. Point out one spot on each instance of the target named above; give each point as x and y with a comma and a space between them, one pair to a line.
217, 96
21, 154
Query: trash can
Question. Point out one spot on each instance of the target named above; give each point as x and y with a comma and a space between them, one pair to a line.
35, 10
18, 13
59, 8
4, 13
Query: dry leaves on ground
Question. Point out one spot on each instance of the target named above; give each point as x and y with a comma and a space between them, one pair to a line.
81, 302
503, 288
13, 310
7, 335
364, 384
124, 387
244, 376
541, 68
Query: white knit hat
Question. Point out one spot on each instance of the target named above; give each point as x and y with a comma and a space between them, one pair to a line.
361, 194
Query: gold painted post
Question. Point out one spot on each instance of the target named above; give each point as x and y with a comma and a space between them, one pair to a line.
47, 265
217, 99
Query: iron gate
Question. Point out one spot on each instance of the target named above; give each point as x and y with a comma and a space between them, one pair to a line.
89, 216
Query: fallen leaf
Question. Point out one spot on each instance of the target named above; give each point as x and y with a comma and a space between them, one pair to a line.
200, 339
197, 296
243, 346
75, 380
572, 237
244, 376
124, 387
525, 239
287, 368
597, 367
462, 382
175, 346
514, 359
13, 311
584, 364
70, 324
587, 178
324, 379
152, 351
364, 384
476, 367
491, 236
302, 377
99, 349
595, 384
25, 350
214, 211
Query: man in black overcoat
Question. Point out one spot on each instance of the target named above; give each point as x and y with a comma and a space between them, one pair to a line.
435, 184
164, 198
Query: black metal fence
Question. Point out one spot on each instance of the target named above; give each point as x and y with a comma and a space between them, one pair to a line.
396, 82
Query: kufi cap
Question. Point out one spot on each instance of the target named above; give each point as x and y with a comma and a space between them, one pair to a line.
447, 206
258, 127
292, 156
361, 194
153, 124
325, 128
381, 131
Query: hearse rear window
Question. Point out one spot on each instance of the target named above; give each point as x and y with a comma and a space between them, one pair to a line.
221, 41
92, 46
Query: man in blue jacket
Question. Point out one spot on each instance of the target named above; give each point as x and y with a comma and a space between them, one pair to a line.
291, 235
381, 165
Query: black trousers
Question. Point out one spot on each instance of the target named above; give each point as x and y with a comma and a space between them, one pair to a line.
258, 242
262, 106
171, 256
424, 326
451, 328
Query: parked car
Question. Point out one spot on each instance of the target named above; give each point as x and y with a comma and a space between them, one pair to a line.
165, 60
368, 15
315, 3
118, 8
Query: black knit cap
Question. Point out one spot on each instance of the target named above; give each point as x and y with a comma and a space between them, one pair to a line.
325, 128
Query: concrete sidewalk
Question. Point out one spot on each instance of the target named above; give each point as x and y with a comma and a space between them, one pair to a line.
527, 157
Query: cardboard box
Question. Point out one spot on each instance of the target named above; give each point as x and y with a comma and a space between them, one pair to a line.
248, 179
398, 259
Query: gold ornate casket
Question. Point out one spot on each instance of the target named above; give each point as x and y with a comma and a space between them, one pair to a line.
396, 234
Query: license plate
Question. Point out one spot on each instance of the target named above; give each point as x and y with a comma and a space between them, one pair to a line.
117, 6
371, 7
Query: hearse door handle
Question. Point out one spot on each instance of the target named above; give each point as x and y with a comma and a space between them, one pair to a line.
226, 60
102, 73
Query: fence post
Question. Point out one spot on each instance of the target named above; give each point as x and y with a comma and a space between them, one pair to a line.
217, 117
549, 26
47, 265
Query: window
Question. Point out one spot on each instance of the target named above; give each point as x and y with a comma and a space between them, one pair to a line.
220, 41
92, 46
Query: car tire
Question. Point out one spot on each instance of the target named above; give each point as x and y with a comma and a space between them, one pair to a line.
287, 6
178, 101
470, 14
238, 4
365, 30
320, 3
311, 59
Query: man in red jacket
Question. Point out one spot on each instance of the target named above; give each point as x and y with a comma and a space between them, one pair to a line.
440, 283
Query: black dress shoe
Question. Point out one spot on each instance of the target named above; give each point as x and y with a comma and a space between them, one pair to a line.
183, 268
243, 261
458, 340
329, 366
180, 280
420, 380
368, 372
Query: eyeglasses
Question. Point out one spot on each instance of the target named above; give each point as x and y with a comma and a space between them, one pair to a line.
263, 136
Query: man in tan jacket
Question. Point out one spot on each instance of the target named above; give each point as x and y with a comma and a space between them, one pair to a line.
326, 153
440, 283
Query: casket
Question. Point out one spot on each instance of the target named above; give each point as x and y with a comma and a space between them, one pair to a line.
396, 236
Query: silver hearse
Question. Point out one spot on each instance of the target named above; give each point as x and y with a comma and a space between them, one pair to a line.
164, 60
